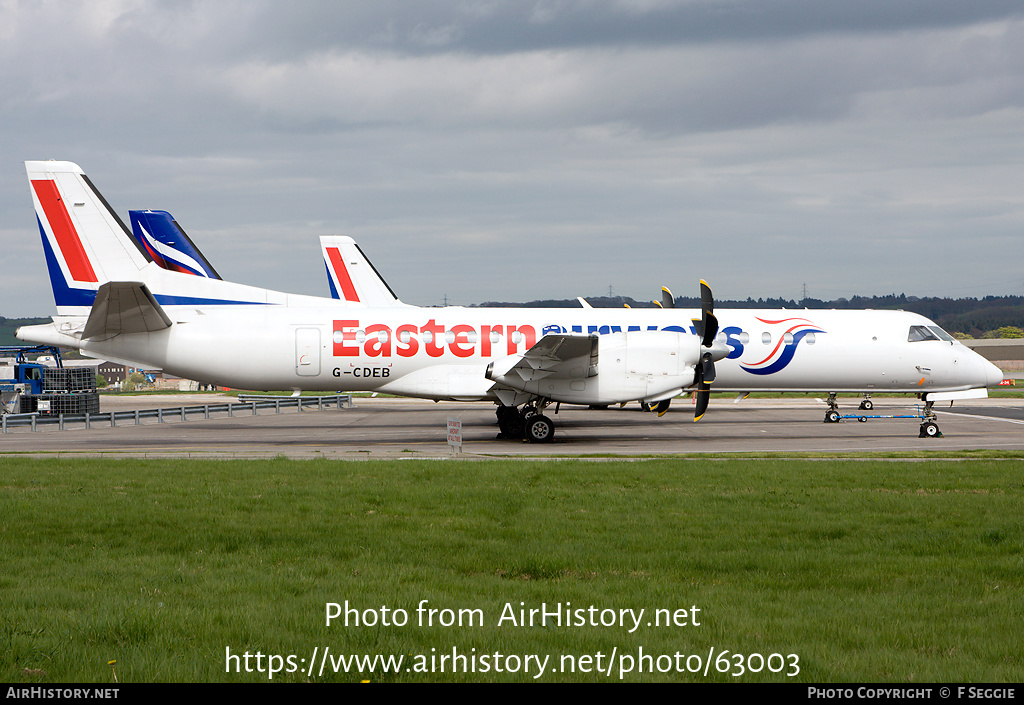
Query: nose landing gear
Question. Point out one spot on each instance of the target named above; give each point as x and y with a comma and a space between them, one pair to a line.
929, 425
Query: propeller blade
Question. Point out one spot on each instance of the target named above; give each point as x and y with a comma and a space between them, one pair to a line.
707, 326
667, 300
662, 407
703, 398
710, 329
707, 301
707, 369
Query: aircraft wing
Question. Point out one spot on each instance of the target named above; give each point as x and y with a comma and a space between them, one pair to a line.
556, 355
124, 307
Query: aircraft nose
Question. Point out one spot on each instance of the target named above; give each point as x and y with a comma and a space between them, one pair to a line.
980, 372
993, 375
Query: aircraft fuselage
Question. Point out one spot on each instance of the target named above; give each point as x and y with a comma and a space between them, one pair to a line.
443, 352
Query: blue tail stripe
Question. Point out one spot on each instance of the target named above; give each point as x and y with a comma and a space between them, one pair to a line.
330, 282
63, 294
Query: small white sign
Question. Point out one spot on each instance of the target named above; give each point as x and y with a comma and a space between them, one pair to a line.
455, 434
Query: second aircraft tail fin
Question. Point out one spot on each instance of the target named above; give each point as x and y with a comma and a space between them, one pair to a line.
350, 275
159, 234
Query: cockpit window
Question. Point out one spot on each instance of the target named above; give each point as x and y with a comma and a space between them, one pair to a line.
919, 333
943, 335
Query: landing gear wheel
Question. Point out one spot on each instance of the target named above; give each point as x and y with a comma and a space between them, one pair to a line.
539, 429
930, 429
510, 424
831, 416
867, 405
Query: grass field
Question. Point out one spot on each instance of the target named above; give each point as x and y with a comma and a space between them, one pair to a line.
846, 570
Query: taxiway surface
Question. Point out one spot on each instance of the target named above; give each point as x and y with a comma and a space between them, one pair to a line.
386, 427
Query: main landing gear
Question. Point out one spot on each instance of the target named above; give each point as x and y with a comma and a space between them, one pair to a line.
528, 423
929, 425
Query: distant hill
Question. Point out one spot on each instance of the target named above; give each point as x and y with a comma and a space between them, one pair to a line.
9, 325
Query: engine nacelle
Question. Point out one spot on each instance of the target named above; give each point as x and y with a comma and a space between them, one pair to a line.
647, 365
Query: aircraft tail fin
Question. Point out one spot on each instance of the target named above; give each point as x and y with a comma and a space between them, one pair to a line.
159, 234
85, 242
351, 276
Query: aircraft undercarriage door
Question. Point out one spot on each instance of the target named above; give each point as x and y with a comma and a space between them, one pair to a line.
307, 352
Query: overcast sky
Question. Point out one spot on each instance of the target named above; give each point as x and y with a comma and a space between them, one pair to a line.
491, 150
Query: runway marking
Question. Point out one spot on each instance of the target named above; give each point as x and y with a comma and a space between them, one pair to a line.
978, 416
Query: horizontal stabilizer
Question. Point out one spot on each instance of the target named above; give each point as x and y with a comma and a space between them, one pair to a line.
122, 308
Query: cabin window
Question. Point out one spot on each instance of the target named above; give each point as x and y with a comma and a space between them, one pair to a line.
788, 338
766, 338
809, 338
920, 333
744, 338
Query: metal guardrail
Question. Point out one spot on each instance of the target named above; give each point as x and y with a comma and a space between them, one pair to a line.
250, 403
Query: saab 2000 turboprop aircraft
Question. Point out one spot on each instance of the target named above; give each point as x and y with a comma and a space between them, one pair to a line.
115, 301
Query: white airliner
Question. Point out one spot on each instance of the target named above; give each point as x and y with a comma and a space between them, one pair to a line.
115, 302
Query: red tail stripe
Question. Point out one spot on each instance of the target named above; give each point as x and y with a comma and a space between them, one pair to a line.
348, 290
64, 230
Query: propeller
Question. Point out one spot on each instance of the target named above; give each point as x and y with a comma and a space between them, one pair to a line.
704, 370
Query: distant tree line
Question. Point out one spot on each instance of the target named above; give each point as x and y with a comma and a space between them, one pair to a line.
972, 317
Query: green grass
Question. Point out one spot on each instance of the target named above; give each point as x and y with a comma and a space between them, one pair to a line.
866, 570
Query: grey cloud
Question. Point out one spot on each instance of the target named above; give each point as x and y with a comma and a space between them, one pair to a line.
854, 146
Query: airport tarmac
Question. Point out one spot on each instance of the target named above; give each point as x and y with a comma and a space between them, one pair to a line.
409, 428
